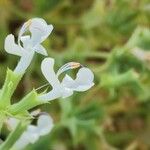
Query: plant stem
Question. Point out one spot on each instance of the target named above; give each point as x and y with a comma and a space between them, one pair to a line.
13, 137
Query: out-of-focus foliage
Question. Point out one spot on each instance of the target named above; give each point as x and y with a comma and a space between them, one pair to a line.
102, 34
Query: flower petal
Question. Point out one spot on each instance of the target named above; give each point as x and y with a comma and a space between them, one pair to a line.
24, 62
48, 31
12, 123
22, 142
83, 81
48, 71
23, 29
67, 92
39, 30
52, 95
67, 81
31, 129
45, 124
25, 139
41, 50
11, 47
33, 133
26, 41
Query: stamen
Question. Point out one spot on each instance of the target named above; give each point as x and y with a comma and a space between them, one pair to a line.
68, 66
75, 65
28, 23
42, 86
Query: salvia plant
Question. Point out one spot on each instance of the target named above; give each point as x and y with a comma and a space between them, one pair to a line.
16, 116
113, 38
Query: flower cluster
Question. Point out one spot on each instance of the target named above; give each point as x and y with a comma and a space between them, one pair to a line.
27, 45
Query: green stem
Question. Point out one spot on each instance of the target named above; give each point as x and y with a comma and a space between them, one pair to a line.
13, 137
2, 118
66, 107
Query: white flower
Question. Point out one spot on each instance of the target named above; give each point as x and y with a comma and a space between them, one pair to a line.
32, 133
84, 80
28, 44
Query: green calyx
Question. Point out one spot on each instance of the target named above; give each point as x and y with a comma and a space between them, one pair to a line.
28, 102
20, 108
8, 88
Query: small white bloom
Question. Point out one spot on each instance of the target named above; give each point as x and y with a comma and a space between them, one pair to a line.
32, 133
28, 44
84, 80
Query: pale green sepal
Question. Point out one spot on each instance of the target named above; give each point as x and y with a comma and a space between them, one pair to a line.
28, 102
24, 115
10, 84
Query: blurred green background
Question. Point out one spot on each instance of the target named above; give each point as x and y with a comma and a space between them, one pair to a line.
101, 34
